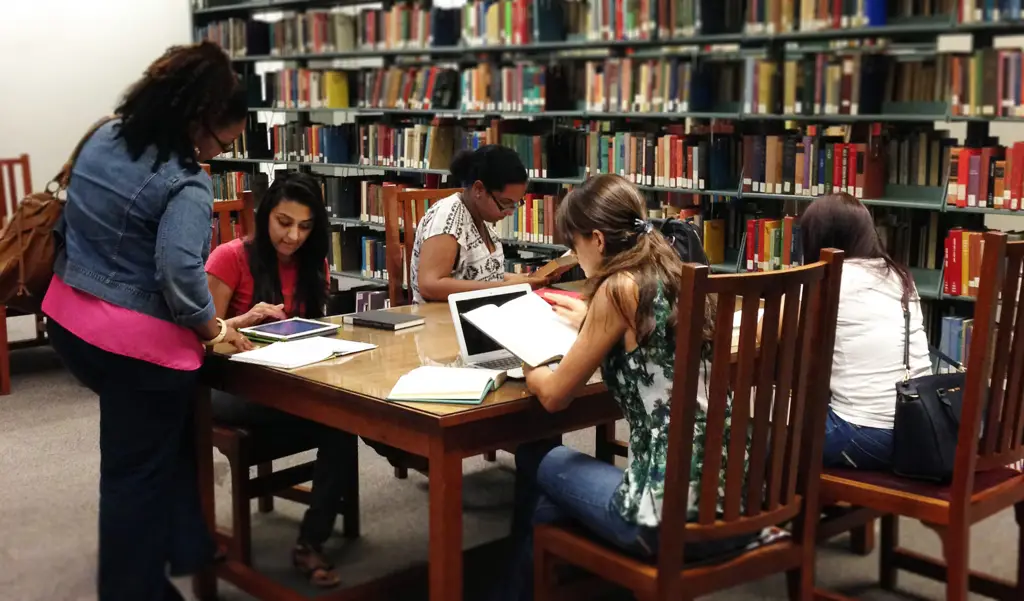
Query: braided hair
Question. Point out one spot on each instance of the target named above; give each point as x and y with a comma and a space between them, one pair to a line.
188, 86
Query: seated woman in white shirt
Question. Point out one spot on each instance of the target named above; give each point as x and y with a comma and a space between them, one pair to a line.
456, 249
868, 358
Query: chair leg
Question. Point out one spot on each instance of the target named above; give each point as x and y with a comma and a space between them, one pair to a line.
266, 502
543, 576
350, 499
956, 549
1019, 511
862, 539
241, 516
5, 354
491, 456
887, 571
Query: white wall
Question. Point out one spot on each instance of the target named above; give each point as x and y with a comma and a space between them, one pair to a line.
66, 63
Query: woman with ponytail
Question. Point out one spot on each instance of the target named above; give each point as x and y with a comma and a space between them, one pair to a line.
456, 249
627, 329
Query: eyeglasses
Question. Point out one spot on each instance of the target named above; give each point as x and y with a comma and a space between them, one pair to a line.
505, 204
224, 146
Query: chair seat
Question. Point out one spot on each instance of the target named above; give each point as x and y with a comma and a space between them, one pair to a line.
578, 547
264, 445
881, 489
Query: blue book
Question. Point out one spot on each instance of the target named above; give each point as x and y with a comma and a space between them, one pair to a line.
875, 12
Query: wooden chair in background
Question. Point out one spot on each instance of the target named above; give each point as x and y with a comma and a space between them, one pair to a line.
787, 378
983, 483
246, 447
401, 217
15, 184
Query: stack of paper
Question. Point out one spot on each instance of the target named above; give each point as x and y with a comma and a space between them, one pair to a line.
434, 384
297, 353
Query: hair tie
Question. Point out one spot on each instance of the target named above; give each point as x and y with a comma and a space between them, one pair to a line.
641, 226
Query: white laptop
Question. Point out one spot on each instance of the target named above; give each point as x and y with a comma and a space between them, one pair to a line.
476, 348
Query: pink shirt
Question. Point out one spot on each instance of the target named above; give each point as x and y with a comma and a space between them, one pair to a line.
229, 263
122, 331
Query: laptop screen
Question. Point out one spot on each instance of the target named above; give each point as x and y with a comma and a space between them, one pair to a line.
476, 341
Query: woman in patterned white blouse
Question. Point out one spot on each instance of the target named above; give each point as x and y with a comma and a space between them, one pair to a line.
456, 249
627, 329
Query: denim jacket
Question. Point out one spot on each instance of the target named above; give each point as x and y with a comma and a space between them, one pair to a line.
135, 237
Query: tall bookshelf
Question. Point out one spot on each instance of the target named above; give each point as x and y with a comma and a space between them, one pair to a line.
706, 105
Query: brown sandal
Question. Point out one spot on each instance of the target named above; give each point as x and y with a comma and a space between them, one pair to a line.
312, 564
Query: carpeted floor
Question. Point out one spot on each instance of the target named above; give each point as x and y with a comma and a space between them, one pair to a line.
48, 497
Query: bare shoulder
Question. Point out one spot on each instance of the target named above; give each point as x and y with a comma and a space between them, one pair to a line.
617, 296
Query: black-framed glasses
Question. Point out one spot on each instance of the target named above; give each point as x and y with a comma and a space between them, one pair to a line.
225, 147
505, 204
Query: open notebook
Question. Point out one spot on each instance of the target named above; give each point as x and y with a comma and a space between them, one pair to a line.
298, 353
526, 327
436, 384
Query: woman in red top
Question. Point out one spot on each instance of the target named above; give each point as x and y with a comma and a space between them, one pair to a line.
282, 272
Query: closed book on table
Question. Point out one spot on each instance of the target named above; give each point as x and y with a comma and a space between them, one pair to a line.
384, 320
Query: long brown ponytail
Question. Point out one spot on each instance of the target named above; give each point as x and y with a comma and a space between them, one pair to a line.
613, 206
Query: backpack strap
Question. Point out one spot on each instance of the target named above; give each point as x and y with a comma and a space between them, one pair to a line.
64, 176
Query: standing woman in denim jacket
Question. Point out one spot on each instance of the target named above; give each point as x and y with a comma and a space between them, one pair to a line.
130, 311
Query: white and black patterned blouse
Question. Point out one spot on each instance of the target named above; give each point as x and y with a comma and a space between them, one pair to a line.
474, 261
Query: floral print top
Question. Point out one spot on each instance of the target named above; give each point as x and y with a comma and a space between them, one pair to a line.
641, 382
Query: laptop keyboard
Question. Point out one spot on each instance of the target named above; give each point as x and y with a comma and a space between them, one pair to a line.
501, 364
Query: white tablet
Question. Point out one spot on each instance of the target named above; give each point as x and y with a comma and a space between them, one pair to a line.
290, 329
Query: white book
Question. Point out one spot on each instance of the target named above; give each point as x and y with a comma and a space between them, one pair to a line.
527, 327
298, 353
436, 384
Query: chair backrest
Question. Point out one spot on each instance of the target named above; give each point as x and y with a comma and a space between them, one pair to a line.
10, 192
780, 381
993, 395
402, 211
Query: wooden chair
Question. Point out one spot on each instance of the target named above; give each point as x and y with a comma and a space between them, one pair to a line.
400, 212
780, 398
983, 484
12, 189
245, 449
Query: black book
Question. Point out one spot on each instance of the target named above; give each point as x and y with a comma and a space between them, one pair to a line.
384, 320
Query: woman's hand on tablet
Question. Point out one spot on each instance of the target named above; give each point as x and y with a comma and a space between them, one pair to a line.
260, 313
240, 342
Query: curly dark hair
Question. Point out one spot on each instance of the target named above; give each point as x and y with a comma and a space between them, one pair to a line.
187, 86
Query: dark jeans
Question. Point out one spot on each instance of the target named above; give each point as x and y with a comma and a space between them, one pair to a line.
860, 447
149, 511
328, 486
555, 484
328, 475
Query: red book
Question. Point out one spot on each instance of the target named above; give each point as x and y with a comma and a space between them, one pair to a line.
543, 292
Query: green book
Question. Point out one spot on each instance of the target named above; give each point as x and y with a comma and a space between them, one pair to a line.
448, 385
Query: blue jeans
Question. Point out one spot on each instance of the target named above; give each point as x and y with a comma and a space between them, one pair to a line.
150, 520
852, 446
557, 484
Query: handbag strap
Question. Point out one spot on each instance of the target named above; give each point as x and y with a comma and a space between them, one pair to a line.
906, 341
906, 348
64, 176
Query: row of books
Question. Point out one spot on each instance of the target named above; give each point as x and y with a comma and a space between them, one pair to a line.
324, 31
812, 84
229, 186
962, 259
955, 340
224, 230
988, 83
805, 162
987, 177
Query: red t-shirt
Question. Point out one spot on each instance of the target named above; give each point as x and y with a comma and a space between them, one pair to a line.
229, 263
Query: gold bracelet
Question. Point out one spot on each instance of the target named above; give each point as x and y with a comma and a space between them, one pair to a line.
220, 335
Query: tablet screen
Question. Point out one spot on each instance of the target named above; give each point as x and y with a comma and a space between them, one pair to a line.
289, 327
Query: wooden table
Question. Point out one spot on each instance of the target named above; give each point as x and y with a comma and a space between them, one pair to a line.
348, 392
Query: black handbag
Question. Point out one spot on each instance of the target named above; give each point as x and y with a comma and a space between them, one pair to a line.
928, 410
